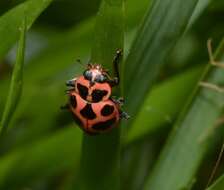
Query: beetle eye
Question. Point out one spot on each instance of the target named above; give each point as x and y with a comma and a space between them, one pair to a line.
88, 75
100, 78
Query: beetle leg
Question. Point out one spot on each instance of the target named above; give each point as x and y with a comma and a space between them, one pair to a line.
116, 61
124, 115
119, 101
113, 82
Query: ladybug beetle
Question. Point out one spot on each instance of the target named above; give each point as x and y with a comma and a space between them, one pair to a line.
90, 99
95, 118
95, 84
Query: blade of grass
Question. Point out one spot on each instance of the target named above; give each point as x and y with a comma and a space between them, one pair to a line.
10, 21
152, 46
16, 82
150, 115
101, 154
189, 139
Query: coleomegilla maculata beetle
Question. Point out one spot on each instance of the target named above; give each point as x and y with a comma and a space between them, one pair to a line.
90, 99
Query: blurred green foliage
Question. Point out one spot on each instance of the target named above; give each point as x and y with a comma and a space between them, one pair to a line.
164, 57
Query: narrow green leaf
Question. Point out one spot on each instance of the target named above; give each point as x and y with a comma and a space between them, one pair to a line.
190, 137
161, 29
16, 82
218, 184
10, 21
158, 109
100, 154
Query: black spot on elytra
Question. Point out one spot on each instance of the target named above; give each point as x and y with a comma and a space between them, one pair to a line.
83, 90
104, 125
73, 101
97, 95
107, 110
87, 112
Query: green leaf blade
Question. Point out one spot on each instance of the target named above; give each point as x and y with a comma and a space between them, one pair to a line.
152, 46
16, 82
101, 153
